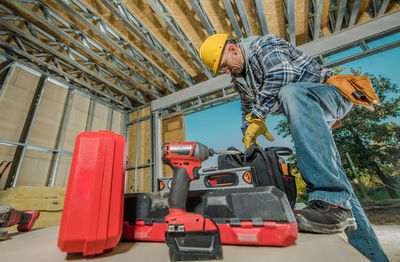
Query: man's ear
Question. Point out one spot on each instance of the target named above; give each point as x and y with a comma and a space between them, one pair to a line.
232, 49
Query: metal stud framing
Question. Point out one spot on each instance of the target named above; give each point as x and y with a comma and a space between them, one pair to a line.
317, 18
25, 134
204, 19
354, 12
5, 70
340, 15
103, 30
232, 18
122, 13
51, 178
57, 151
163, 13
85, 49
261, 16
288, 13
243, 17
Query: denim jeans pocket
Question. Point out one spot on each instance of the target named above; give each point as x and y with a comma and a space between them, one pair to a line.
344, 108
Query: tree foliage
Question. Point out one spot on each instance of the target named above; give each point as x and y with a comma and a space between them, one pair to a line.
372, 139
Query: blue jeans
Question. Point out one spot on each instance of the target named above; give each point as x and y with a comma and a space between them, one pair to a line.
311, 110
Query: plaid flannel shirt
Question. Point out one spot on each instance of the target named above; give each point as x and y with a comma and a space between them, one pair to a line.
272, 63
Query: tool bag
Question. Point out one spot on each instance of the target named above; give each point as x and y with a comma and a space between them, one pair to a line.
270, 168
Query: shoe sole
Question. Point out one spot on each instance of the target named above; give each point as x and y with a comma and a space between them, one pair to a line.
304, 224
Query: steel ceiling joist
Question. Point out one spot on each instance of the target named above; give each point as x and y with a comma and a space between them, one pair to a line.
42, 47
288, 13
365, 49
114, 67
261, 16
163, 13
317, 18
383, 7
5, 70
60, 35
202, 15
232, 18
340, 15
354, 12
104, 31
122, 13
59, 74
243, 17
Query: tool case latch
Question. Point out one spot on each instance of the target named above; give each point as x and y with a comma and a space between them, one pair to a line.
234, 222
148, 221
257, 222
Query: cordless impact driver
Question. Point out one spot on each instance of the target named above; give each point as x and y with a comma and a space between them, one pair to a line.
189, 236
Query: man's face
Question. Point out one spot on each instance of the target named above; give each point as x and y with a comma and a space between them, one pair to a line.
232, 60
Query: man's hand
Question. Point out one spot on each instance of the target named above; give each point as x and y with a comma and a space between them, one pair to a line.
256, 127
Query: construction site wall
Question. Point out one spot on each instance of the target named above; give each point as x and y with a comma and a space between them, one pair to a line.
139, 140
31, 190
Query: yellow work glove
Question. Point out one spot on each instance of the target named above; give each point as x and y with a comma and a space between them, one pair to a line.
256, 127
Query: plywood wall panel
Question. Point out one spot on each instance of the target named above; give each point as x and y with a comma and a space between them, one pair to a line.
15, 101
144, 112
6, 154
48, 117
301, 21
62, 175
100, 117
274, 14
76, 121
172, 130
34, 168
139, 138
117, 122
143, 180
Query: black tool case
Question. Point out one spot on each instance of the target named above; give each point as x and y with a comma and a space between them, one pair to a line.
246, 216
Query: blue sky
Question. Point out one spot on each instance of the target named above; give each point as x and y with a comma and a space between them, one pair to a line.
219, 127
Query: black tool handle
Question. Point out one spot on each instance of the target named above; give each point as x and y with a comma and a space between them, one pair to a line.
179, 188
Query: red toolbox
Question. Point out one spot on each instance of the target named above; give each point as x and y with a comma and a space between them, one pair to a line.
94, 203
259, 216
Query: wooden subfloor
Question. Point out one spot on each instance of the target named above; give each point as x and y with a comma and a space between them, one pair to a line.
41, 245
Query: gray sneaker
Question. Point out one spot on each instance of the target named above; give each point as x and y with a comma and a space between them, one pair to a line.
322, 217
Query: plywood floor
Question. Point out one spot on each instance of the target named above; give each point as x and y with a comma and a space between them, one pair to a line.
41, 245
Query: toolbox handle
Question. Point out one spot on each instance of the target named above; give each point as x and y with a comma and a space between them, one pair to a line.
281, 151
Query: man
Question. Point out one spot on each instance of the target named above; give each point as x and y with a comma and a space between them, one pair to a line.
272, 76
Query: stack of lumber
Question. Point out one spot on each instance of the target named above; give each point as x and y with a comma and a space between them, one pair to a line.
49, 200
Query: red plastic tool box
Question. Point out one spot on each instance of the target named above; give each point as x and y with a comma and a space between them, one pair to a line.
93, 209
259, 216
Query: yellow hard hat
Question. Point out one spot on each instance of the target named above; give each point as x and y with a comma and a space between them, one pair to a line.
211, 49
